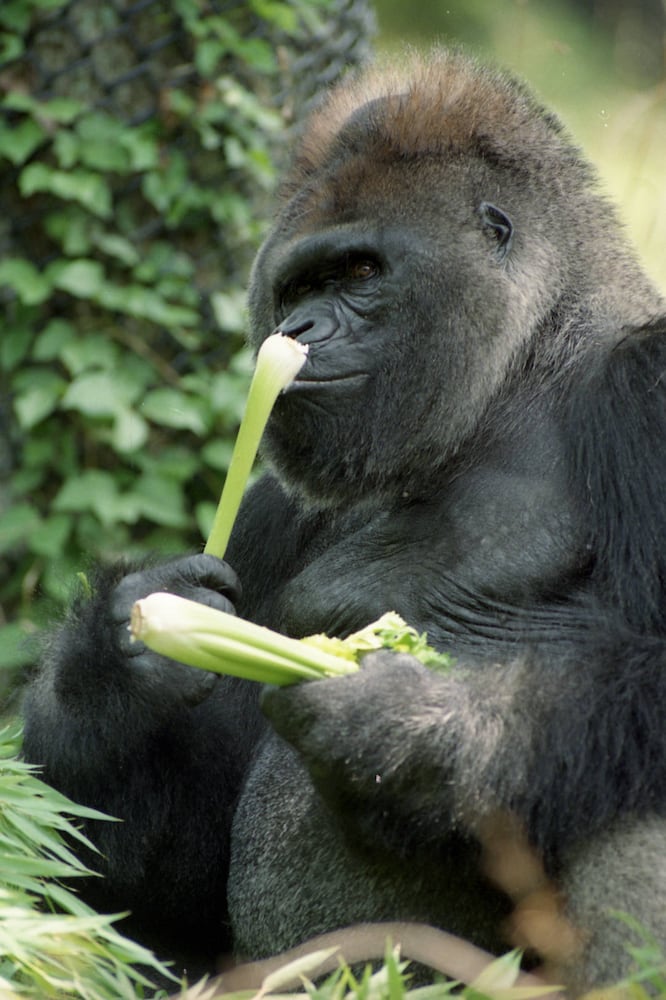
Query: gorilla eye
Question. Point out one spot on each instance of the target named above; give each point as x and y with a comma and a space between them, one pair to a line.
295, 290
362, 270
501, 226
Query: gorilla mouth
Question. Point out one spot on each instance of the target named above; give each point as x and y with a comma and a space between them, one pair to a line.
309, 384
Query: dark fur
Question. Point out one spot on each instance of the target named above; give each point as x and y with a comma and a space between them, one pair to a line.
495, 472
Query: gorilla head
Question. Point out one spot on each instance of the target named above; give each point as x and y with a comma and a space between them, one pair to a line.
430, 224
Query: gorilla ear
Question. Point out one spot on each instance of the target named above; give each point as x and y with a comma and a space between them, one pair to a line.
501, 226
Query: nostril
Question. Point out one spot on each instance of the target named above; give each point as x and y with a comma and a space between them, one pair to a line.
293, 328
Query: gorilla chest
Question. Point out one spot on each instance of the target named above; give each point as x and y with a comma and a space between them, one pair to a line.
491, 538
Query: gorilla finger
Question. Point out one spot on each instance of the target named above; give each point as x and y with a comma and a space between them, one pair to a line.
199, 686
393, 664
169, 677
211, 598
201, 578
131, 588
207, 572
289, 709
130, 648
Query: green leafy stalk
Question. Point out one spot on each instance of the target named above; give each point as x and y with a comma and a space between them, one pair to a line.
278, 362
203, 637
200, 636
51, 943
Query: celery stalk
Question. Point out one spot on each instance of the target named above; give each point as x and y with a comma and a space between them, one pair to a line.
204, 637
214, 640
278, 362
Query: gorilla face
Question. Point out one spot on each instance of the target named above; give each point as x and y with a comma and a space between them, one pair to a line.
394, 310
420, 251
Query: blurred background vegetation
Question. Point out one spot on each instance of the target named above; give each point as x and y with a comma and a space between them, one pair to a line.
138, 143
600, 64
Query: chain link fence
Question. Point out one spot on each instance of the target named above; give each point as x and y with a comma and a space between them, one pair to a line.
125, 57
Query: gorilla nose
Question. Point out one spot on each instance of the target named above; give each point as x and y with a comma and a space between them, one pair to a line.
310, 324
293, 326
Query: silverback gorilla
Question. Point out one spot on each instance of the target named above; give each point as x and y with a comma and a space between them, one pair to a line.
477, 441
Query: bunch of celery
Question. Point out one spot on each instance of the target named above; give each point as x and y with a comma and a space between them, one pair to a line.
213, 640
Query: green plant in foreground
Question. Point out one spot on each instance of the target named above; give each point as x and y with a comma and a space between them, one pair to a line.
648, 980
499, 980
214, 640
51, 943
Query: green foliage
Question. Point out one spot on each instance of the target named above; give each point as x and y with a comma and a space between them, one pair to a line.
122, 351
51, 943
649, 978
602, 75
391, 981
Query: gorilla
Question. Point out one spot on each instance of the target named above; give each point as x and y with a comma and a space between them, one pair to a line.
476, 441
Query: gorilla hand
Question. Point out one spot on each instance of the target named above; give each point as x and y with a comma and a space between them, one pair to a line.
202, 578
367, 741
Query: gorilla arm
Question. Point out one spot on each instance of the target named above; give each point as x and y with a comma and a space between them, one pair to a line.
565, 729
148, 741
566, 741
617, 432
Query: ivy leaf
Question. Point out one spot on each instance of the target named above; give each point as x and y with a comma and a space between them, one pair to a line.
235, 153
118, 247
96, 491
229, 310
15, 15
49, 538
258, 54
217, 454
100, 146
61, 110
174, 462
14, 346
15, 646
161, 499
146, 303
83, 186
39, 399
209, 54
11, 47
142, 147
99, 394
30, 286
19, 141
130, 431
66, 147
171, 408
281, 14
16, 525
93, 351
70, 227
204, 514
53, 338
81, 278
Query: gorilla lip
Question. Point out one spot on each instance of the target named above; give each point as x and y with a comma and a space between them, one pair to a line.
303, 384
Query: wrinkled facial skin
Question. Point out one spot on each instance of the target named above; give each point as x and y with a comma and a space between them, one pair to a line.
332, 292
403, 309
